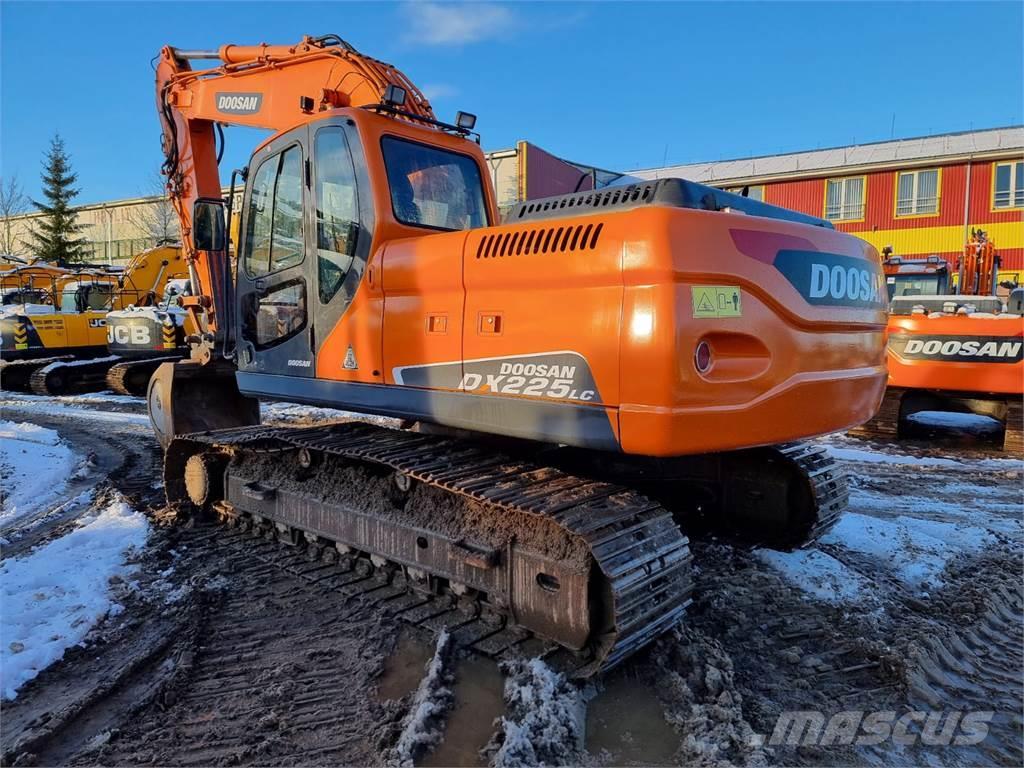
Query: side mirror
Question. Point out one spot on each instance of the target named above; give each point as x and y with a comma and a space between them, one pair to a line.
208, 225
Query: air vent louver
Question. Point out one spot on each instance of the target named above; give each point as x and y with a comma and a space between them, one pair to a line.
540, 240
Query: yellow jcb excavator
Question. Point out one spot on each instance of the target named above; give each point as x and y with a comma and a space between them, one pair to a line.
60, 346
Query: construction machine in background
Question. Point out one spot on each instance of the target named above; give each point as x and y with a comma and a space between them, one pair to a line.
582, 379
59, 319
32, 283
929, 276
145, 336
61, 346
952, 347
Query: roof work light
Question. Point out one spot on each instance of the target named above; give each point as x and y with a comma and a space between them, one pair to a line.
394, 95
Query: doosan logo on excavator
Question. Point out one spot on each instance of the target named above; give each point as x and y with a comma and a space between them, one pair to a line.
833, 279
239, 103
841, 283
950, 349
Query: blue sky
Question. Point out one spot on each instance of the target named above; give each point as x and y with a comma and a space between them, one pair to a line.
617, 85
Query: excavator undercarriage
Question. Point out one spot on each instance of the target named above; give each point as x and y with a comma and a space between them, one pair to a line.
593, 566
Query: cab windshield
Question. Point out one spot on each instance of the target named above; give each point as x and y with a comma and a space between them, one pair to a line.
915, 286
432, 187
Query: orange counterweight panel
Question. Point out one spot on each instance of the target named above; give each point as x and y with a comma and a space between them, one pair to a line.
957, 353
794, 325
581, 312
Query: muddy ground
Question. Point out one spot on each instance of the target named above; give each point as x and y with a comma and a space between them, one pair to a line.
231, 651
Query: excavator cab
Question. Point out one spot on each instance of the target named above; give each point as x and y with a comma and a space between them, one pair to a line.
309, 226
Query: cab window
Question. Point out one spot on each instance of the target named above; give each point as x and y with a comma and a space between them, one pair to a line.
432, 187
274, 238
337, 210
275, 315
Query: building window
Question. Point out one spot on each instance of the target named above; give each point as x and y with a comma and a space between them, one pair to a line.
917, 192
844, 199
1008, 185
754, 192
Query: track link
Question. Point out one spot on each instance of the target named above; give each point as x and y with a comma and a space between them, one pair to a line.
884, 425
829, 489
65, 377
639, 584
131, 377
15, 375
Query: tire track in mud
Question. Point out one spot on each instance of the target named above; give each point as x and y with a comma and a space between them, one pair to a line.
240, 663
220, 657
977, 668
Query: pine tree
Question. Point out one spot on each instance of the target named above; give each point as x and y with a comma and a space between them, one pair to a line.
56, 236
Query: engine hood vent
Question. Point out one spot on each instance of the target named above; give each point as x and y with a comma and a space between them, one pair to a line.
540, 240
674, 193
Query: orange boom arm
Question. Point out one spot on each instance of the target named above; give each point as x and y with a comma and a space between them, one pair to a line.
261, 86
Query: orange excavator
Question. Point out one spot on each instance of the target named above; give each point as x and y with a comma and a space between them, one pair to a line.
573, 384
953, 348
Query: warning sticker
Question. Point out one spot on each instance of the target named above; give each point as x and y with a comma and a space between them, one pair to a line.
716, 301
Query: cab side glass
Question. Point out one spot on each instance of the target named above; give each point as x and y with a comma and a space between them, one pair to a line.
100, 296
274, 239
208, 225
337, 210
275, 315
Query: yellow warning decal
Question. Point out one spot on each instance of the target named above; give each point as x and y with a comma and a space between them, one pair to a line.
716, 301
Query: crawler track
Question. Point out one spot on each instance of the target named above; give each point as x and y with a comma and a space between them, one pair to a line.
132, 376
15, 375
65, 377
638, 587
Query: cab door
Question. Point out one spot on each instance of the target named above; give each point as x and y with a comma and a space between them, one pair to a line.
342, 223
274, 323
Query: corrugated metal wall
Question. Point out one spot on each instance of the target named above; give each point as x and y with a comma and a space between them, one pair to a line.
941, 233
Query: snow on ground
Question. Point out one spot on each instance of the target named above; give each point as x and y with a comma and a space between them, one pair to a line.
35, 466
291, 412
68, 406
875, 457
816, 573
545, 718
53, 596
910, 536
998, 512
423, 726
89, 398
965, 422
915, 550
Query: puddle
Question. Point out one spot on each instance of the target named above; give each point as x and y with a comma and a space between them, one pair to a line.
479, 699
405, 667
626, 725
